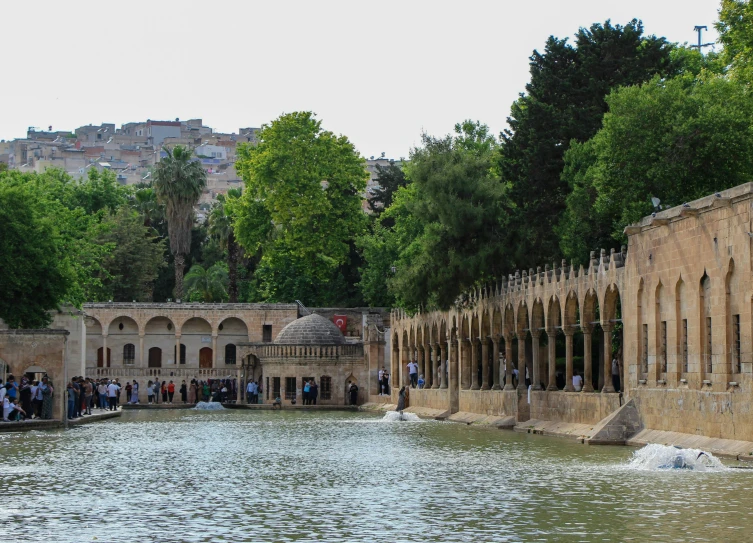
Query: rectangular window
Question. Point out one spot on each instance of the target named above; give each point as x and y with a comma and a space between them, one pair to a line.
709, 363
685, 345
267, 388
644, 365
266, 333
736, 362
290, 388
275, 387
664, 346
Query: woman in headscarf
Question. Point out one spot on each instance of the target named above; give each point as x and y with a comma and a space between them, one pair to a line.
47, 392
183, 392
135, 392
25, 394
401, 400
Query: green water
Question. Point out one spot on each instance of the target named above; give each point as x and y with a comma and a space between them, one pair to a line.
194, 476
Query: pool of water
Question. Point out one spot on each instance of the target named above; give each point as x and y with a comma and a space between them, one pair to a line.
201, 476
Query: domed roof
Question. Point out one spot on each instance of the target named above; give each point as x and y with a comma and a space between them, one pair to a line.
310, 330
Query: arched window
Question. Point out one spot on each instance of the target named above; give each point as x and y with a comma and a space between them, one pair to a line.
129, 353
325, 387
229, 353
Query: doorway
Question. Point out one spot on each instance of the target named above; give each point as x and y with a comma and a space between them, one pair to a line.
205, 357
155, 357
100, 357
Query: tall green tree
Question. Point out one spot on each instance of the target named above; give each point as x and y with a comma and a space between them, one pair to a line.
221, 228
457, 203
565, 102
675, 140
301, 208
178, 182
390, 178
207, 284
137, 255
33, 267
735, 28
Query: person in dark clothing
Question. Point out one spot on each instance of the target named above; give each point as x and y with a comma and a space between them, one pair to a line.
353, 394
184, 392
313, 392
25, 396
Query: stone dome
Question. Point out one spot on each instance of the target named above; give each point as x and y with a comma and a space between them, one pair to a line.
310, 330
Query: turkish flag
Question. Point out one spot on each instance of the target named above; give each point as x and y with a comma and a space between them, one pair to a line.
341, 321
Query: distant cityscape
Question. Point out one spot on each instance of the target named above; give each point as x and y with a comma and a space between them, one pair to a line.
132, 151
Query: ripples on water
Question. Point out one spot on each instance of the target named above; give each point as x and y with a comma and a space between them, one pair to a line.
194, 476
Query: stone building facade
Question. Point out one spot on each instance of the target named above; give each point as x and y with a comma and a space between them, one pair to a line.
674, 307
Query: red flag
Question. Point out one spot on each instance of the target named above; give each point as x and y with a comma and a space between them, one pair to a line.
341, 321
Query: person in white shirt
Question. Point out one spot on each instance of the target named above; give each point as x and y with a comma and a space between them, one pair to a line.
250, 391
577, 382
380, 387
413, 373
112, 395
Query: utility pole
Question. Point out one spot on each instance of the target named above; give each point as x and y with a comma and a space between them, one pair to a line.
701, 45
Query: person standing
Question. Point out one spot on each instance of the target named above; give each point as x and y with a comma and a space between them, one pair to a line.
25, 396
577, 381
164, 391
250, 391
401, 400
170, 392
149, 392
616, 374
71, 400
353, 394
413, 373
380, 375
88, 392
306, 392
183, 392
47, 392
112, 395
156, 390
386, 383
11, 389
313, 392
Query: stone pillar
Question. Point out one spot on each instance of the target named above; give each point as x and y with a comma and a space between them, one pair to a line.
443, 360
485, 364
429, 375
495, 363
508, 363
141, 349
474, 363
104, 351
214, 350
607, 358
465, 364
569, 360
552, 338
587, 360
177, 349
437, 366
522, 362
535, 378
453, 373
422, 362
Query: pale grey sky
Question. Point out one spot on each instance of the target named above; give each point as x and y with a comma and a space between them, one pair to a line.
379, 72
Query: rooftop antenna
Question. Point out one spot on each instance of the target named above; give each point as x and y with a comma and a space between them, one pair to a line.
701, 45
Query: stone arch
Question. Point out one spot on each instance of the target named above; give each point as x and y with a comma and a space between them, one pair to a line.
123, 324
123, 331
230, 331
537, 316
497, 325
611, 324
159, 325
733, 311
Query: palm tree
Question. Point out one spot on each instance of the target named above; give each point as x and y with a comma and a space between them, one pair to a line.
178, 183
207, 285
221, 228
145, 203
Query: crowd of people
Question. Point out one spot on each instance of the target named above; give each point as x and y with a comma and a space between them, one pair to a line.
27, 399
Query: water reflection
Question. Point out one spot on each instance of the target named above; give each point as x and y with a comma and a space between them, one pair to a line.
198, 476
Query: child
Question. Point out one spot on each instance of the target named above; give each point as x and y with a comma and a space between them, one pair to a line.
277, 403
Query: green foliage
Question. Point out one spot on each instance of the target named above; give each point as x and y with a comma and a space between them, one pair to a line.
390, 178
301, 208
34, 271
565, 102
677, 140
222, 231
207, 285
735, 28
137, 255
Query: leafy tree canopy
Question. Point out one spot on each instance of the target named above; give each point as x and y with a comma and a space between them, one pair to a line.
390, 178
735, 28
301, 208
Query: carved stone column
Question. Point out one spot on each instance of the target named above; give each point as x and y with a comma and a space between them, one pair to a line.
607, 358
443, 361
569, 360
587, 359
522, 362
552, 338
437, 365
141, 349
495, 363
508, 363
485, 364
535, 378
104, 352
214, 351
465, 382
474, 363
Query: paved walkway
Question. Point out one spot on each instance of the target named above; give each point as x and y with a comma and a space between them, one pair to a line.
45, 424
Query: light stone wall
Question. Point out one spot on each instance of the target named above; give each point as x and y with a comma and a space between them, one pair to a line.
492, 402
578, 408
432, 398
339, 371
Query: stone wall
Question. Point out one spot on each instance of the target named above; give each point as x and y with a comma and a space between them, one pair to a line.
489, 402
572, 407
438, 398
339, 373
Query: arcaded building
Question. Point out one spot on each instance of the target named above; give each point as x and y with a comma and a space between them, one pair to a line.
673, 308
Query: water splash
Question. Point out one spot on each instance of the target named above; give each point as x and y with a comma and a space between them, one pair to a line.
662, 457
395, 416
209, 406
